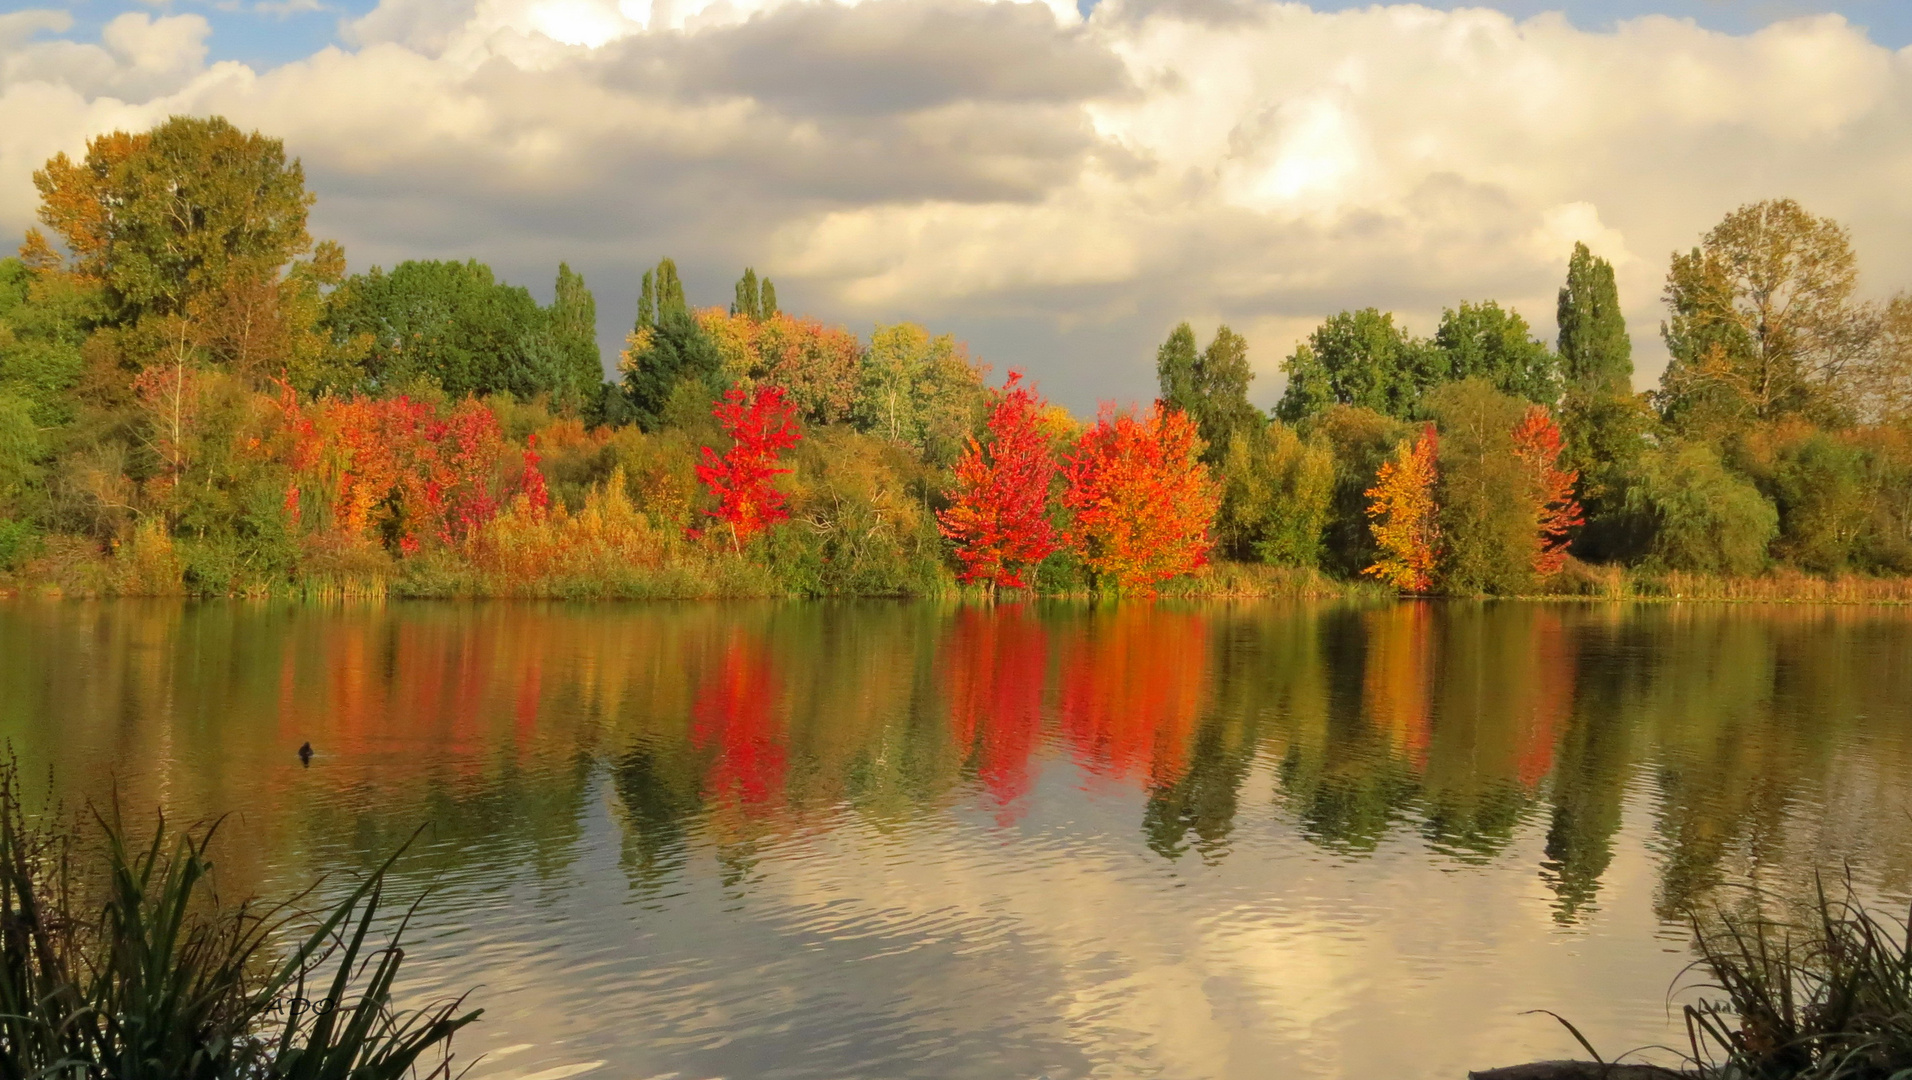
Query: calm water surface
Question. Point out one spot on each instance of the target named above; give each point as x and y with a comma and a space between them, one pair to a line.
893, 840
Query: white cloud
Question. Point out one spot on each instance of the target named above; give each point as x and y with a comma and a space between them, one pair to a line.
1022, 174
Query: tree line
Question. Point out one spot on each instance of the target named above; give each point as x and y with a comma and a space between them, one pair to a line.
195, 395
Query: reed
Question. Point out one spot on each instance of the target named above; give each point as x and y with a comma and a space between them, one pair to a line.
1828, 998
120, 961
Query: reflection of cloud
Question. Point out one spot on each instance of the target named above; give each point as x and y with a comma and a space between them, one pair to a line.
1017, 166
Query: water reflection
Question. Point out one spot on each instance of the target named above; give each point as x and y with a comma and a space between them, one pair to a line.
713, 759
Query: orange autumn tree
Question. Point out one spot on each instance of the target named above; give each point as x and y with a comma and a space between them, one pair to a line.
393, 468
1402, 516
762, 424
1143, 503
1537, 442
999, 516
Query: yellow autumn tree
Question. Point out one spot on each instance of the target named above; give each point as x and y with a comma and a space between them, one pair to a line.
1402, 516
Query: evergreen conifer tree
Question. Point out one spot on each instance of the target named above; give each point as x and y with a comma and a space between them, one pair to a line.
767, 297
670, 351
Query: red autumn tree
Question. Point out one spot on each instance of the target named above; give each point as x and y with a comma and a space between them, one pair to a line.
1402, 516
1537, 442
1143, 502
762, 425
999, 517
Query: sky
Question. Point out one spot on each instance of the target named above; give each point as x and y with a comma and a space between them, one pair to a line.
1056, 182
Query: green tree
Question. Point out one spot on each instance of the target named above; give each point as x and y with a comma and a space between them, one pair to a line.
1702, 517
1485, 492
1486, 341
919, 390
1359, 358
170, 218
1596, 355
755, 299
574, 331
1359, 440
1763, 323
454, 326
661, 292
194, 234
1175, 363
1211, 387
1277, 491
44, 320
1605, 424
1818, 482
671, 370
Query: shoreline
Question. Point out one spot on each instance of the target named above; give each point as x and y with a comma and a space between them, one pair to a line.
121, 577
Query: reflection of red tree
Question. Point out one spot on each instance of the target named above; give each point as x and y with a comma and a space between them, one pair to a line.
994, 662
1397, 682
733, 712
1131, 690
1549, 696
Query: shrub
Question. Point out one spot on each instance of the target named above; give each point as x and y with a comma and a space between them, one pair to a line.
860, 520
148, 565
19, 541
529, 548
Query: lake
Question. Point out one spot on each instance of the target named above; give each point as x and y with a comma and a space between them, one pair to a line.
873, 840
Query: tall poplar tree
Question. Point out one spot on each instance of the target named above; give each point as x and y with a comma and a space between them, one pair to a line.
1604, 423
574, 330
755, 297
749, 300
1596, 356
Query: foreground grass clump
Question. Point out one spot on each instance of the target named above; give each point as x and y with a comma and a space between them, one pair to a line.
121, 962
1829, 999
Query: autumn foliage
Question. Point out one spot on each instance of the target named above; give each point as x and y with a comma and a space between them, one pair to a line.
762, 424
1143, 503
1402, 516
998, 518
1537, 442
393, 468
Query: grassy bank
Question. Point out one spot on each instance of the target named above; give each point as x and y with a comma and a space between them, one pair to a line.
1779, 586
153, 564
